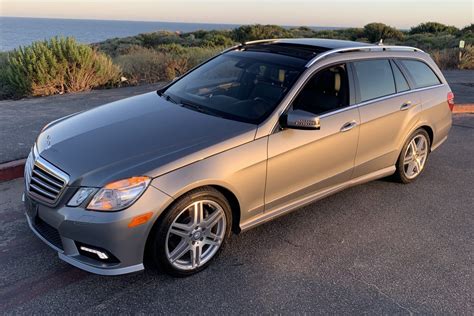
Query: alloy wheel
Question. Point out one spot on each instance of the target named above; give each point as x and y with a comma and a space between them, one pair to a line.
415, 156
195, 235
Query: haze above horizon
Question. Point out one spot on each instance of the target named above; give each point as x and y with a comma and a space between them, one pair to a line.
343, 13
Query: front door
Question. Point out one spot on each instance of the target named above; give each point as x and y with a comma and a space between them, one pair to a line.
303, 162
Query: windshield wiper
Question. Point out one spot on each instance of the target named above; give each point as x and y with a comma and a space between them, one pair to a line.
167, 97
198, 108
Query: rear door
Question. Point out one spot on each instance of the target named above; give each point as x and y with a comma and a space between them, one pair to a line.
388, 108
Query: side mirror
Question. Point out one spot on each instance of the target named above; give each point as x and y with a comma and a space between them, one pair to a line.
299, 119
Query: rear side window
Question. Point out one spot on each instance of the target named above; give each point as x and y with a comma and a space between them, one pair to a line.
422, 74
375, 78
400, 81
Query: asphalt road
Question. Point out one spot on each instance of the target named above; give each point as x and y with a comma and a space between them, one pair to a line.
377, 248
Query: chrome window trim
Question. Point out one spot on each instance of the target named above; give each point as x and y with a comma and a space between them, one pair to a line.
361, 104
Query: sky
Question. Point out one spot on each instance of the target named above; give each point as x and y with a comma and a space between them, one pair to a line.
398, 13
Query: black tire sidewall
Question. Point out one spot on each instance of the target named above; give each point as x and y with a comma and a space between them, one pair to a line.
157, 249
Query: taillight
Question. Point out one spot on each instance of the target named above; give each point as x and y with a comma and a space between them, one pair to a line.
451, 100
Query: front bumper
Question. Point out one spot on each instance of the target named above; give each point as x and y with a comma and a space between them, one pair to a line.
64, 228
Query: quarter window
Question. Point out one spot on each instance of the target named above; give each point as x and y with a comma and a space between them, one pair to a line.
423, 75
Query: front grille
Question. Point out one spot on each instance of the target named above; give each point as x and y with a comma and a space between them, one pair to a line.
43, 180
48, 232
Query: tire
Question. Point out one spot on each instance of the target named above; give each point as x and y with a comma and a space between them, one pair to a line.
192, 232
410, 167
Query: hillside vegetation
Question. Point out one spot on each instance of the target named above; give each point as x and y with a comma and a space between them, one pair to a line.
62, 65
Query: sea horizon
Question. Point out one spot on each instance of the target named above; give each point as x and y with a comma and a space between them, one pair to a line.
21, 31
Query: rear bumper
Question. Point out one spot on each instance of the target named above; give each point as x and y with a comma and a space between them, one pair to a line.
65, 229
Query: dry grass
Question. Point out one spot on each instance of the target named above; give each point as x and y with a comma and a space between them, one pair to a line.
454, 58
164, 63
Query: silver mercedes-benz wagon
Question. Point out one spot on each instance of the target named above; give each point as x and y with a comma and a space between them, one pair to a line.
265, 127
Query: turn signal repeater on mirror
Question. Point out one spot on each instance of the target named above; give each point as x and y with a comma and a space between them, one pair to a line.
119, 195
450, 98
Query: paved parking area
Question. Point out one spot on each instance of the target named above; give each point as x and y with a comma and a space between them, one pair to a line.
22, 120
377, 248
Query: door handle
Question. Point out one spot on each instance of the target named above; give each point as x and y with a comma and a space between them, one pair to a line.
406, 106
348, 126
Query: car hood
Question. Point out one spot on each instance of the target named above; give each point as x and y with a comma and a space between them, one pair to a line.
142, 135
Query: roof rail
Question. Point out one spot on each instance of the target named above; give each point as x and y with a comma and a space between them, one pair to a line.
377, 48
260, 41
248, 43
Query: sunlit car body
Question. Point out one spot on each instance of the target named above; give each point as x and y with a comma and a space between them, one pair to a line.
254, 133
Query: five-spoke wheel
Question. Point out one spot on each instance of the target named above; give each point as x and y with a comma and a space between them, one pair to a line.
192, 232
195, 235
413, 157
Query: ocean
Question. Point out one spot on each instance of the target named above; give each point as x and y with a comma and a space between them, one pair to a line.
23, 31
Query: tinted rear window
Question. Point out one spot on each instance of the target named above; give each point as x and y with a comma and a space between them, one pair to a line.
422, 74
375, 78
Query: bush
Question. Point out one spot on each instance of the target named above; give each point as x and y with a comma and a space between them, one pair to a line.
467, 58
59, 65
164, 63
257, 32
454, 58
375, 32
434, 28
446, 58
142, 65
5, 89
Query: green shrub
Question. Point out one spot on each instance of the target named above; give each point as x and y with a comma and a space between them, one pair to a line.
434, 28
5, 89
257, 31
59, 65
374, 32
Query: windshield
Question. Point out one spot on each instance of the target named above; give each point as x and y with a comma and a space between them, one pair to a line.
240, 85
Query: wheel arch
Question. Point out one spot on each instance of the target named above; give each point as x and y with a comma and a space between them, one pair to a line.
228, 194
430, 132
422, 125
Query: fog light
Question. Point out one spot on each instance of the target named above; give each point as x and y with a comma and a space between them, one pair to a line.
100, 254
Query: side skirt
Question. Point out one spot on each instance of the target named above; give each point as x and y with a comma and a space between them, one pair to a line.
282, 210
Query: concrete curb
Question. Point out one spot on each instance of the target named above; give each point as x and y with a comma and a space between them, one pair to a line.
464, 108
14, 169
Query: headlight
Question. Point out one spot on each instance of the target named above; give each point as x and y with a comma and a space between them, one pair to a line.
119, 195
80, 196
